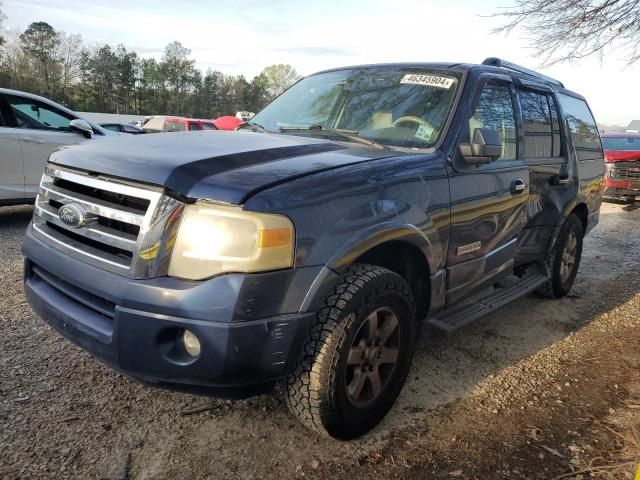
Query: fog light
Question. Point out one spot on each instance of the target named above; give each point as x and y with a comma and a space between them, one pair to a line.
191, 343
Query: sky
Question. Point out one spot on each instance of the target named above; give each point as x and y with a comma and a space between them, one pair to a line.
244, 36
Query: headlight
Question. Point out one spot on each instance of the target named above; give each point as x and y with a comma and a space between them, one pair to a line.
215, 239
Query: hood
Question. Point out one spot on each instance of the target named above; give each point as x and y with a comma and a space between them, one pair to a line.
215, 165
613, 156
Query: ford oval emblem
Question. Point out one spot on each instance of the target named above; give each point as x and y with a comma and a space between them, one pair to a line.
72, 214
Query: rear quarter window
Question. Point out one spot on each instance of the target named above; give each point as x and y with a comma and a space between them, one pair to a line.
582, 128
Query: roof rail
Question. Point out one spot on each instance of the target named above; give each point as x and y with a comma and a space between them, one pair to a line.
498, 62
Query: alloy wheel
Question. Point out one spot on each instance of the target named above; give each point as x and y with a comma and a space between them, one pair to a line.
373, 356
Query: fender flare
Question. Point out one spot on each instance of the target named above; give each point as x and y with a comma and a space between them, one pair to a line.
378, 235
365, 241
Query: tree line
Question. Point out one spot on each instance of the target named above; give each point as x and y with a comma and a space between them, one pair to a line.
109, 79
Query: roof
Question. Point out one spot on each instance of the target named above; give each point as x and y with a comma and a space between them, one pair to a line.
491, 64
620, 134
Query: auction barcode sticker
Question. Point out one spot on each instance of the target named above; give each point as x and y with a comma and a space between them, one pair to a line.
428, 80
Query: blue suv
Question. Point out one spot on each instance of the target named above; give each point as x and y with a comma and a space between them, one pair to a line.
307, 248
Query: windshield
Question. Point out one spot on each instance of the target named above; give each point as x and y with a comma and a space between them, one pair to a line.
621, 143
401, 107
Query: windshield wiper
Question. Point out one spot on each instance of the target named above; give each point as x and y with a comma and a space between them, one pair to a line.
351, 135
256, 127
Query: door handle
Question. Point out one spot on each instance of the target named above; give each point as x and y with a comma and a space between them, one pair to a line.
33, 140
518, 186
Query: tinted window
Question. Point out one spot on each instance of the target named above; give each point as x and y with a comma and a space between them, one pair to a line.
536, 123
621, 143
175, 126
208, 126
582, 128
495, 111
111, 126
193, 127
34, 114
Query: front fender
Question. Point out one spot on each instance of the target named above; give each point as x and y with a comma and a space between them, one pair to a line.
370, 238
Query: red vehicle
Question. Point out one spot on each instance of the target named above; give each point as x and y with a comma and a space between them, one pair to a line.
177, 124
227, 122
622, 157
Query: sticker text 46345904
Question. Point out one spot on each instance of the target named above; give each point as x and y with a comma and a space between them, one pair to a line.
428, 80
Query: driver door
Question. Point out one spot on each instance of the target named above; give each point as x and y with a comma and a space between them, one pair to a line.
42, 129
488, 201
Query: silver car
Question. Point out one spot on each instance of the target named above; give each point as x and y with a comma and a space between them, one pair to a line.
31, 127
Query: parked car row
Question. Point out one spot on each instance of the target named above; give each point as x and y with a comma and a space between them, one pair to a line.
162, 123
123, 128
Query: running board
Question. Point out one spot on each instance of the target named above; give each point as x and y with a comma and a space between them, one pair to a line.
460, 315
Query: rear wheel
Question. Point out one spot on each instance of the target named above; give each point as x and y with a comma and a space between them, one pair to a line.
563, 260
357, 356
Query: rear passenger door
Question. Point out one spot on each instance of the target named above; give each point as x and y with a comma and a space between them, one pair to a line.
588, 168
11, 166
551, 185
488, 202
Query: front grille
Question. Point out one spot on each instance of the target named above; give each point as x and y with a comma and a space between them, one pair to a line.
626, 171
139, 204
124, 227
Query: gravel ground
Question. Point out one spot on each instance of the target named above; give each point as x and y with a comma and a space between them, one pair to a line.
540, 389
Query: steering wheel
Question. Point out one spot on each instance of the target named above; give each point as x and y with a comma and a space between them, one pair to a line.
412, 119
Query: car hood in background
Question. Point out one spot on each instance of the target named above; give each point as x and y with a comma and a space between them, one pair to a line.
215, 165
612, 156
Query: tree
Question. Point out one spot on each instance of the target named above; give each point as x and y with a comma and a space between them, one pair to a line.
562, 30
40, 42
69, 54
102, 68
2, 18
258, 96
179, 72
16, 70
116, 80
279, 78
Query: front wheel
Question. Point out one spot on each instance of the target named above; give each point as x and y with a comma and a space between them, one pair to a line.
563, 260
357, 355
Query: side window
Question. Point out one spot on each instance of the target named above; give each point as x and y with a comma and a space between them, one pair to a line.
495, 111
582, 128
34, 114
172, 126
537, 124
193, 127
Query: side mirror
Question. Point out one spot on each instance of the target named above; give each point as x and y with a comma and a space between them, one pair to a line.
485, 147
81, 126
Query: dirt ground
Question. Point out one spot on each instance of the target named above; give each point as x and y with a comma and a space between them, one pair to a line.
541, 389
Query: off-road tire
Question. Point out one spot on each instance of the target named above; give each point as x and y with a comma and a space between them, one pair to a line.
316, 391
556, 286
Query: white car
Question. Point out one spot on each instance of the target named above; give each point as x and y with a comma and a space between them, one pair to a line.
31, 127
